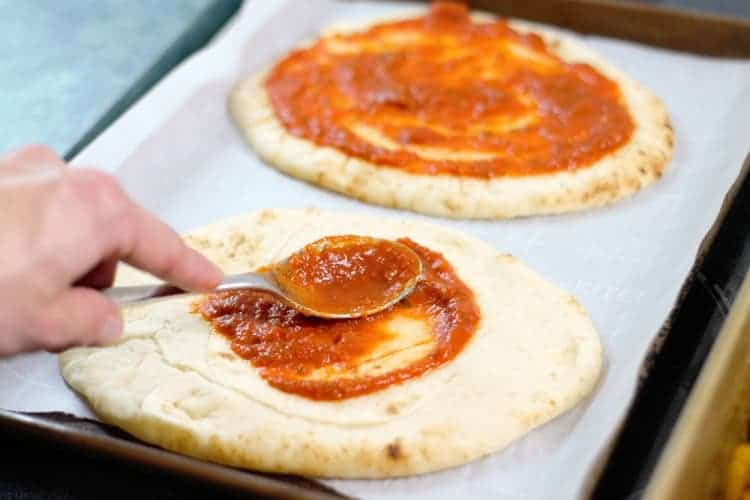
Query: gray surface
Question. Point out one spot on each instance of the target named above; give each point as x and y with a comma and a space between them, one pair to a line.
64, 64
723, 7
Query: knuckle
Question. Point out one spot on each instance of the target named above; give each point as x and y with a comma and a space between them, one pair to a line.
114, 202
98, 183
102, 190
31, 155
83, 184
38, 149
38, 152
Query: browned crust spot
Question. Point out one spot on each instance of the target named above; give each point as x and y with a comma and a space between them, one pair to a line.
573, 302
266, 216
395, 450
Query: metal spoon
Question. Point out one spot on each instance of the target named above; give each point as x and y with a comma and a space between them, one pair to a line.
266, 280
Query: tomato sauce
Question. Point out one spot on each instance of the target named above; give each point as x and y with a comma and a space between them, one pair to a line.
348, 274
442, 94
291, 350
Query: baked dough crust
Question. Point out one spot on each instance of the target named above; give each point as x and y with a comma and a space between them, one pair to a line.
615, 176
172, 382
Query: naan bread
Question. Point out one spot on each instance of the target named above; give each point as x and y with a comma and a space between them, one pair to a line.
172, 382
617, 175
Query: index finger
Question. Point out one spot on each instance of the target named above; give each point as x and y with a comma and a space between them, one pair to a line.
117, 227
156, 248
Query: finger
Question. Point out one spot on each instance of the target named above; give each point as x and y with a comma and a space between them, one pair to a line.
102, 276
33, 154
124, 229
13, 342
30, 165
158, 249
78, 317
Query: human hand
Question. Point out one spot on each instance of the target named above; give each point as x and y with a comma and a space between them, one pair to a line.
62, 233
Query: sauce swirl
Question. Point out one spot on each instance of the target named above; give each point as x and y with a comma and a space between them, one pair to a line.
329, 360
441, 94
348, 274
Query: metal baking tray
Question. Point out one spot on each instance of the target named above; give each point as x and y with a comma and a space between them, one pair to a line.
677, 355
689, 408
715, 417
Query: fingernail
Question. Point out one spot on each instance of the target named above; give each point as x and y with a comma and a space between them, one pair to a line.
111, 330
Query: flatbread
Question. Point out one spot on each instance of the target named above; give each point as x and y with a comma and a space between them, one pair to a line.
617, 175
172, 382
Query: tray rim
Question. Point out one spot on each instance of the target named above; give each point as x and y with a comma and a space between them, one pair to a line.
675, 455
141, 453
695, 287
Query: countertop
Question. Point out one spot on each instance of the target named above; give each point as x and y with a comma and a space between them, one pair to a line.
69, 68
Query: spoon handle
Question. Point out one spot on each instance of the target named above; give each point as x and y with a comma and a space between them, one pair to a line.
124, 295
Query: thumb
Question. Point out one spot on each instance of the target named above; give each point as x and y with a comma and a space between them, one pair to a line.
78, 317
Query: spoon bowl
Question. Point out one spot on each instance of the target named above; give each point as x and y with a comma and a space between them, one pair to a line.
348, 276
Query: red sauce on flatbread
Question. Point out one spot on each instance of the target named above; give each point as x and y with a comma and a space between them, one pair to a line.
347, 274
322, 359
496, 101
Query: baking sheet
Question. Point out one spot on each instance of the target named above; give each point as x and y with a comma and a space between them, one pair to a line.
177, 153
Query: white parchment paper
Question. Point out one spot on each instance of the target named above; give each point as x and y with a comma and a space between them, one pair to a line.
177, 153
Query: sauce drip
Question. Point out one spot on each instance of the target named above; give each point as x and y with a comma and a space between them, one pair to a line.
348, 274
441, 94
320, 359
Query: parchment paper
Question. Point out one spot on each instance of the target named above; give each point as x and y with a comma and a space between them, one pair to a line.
177, 153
